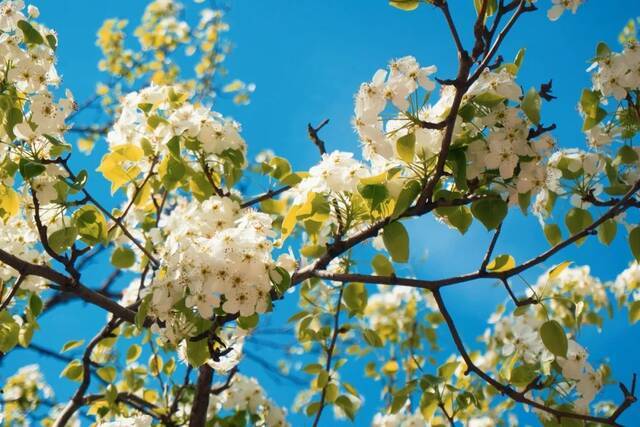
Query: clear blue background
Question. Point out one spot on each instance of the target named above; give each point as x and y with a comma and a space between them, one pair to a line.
308, 59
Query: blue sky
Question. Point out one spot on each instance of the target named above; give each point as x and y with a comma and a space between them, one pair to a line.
307, 59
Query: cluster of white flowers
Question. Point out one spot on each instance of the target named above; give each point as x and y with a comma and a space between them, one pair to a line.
152, 116
385, 308
586, 380
627, 284
21, 393
136, 421
559, 6
27, 378
404, 78
246, 394
216, 255
568, 164
20, 238
399, 419
613, 74
30, 68
161, 26
337, 172
617, 73
520, 334
576, 282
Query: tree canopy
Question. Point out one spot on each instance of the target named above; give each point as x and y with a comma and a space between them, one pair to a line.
207, 260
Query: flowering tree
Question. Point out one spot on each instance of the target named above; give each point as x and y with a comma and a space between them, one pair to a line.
207, 262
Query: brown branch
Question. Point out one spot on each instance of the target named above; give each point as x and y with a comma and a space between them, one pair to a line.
198, 416
77, 401
119, 223
330, 350
265, 196
313, 135
492, 245
227, 384
12, 292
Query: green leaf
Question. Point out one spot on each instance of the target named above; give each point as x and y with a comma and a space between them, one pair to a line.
607, 231
197, 352
347, 406
406, 5
627, 155
313, 368
409, 192
554, 338
396, 240
70, 345
446, 371
372, 338
91, 224
141, 314
133, 353
577, 219
174, 147
381, 265
590, 106
634, 242
107, 373
490, 212
249, 322
531, 105
458, 160
322, 379
355, 297
63, 239
519, 58
553, 234
12, 118
52, 41
280, 167
80, 181
123, 257
406, 147
281, 279
73, 370
35, 305
602, 50
375, 194
634, 312
30, 169
31, 35
502, 263
9, 332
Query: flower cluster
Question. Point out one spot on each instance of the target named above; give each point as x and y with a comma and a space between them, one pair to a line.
21, 394
245, 394
627, 284
399, 419
27, 50
559, 6
216, 255
337, 172
585, 379
396, 86
19, 237
614, 74
156, 114
392, 310
137, 421
157, 123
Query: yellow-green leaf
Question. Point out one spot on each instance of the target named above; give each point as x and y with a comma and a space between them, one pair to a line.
502, 263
